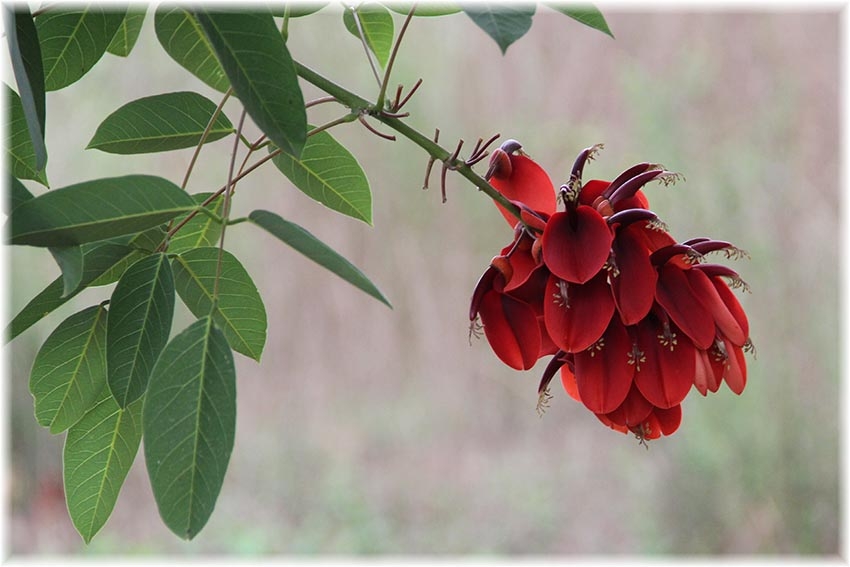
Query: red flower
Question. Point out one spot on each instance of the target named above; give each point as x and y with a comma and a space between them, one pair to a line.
633, 319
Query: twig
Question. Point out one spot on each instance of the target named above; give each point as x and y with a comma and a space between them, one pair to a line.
382, 93
226, 207
362, 35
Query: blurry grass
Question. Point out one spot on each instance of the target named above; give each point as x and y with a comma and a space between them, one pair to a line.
366, 430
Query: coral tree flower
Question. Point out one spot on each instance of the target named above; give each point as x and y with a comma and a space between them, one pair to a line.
632, 318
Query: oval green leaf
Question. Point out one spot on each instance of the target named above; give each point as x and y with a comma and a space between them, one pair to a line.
97, 210
377, 25
255, 58
239, 313
160, 123
329, 174
70, 369
128, 33
189, 422
181, 36
70, 261
99, 451
587, 14
72, 41
19, 147
304, 242
18, 193
25, 52
201, 230
140, 313
505, 23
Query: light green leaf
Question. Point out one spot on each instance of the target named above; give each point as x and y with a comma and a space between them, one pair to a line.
303, 241
140, 313
70, 369
181, 36
128, 32
505, 23
239, 313
97, 260
189, 422
160, 123
377, 25
329, 174
19, 148
201, 230
587, 14
25, 52
255, 58
297, 9
99, 451
97, 210
72, 41
424, 9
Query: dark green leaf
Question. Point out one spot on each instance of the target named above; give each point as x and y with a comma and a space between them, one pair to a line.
99, 450
97, 260
587, 14
128, 32
25, 53
19, 148
70, 369
160, 123
239, 313
201, 230
189, 422
377, 25
303, 241
424, 8
181, 36
140, 313
255, 58
97, 210
329, 174
72, 41
70, 261
505, 23
18, 193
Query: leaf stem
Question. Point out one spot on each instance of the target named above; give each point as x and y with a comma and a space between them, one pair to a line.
204, 136
226, 206
362, 35
383, 92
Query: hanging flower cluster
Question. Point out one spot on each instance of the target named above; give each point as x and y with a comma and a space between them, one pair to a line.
631, 318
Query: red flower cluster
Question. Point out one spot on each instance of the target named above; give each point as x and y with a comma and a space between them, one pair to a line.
633, 318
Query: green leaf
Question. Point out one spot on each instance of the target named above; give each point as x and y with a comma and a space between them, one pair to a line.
255, 58
97, 260
303, 241
160, 123
181, 36
377, 24
70, 369
18, 193
19, 148
505, 23
329, 174
99, 451
587, 14
424, 9
72, 41
140, 313
70, 261
96, 210
189, 422
239, 313
25, 53
128, 32
297, 9
201, 230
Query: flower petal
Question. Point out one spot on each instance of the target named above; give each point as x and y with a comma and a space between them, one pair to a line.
615, 426
568, 380
511, 328
634, 409
591, 190
603, 373
576, 315
667, 371
576, 244
634, 286
675, 295
735, 310
709, 294
526, 183
704, 378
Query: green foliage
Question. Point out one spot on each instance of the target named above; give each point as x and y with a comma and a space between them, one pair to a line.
586, 14
189, 424
160, 123
113, 378
99, 450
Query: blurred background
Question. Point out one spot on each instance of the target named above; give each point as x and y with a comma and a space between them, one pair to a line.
366, 430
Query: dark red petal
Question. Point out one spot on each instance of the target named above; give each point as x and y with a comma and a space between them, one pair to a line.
591, 190
576, 315
576, 244
704, 378
522, 263
527, 183
634, 409
615, 426
603, 372
667, 372
634, 287
736, 371
532, 290
734, 308
710, 297
568, 380
485, 284
547, 345
675, 295
511, 329
669, 419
